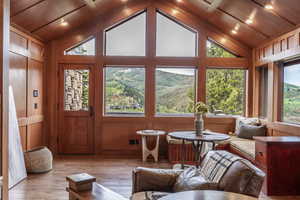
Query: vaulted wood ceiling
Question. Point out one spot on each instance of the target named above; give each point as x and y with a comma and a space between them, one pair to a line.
43, 17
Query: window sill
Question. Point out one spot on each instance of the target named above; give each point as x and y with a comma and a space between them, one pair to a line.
287, 124
210, 115
124, 115
174, 115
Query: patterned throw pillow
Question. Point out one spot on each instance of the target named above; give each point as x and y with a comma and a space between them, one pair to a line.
248, 121
190, 179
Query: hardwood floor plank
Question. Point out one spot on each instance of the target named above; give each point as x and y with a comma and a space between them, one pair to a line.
113, 173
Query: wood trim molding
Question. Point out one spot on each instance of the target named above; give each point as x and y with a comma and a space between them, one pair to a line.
241, 63
284, 47
25, 121
30, 36
285, 128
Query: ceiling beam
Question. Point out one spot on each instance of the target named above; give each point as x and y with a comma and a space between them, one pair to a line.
273, 12
58, 18
28, 7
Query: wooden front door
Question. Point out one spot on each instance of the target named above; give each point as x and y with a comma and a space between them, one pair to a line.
76, 132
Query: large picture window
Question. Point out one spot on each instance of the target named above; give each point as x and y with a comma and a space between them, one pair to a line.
127, 38
215, 50
291, 93
174, 39
124, 90
174, 90
86, 48
225, 91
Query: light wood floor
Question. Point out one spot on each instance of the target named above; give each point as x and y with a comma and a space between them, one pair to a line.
114, 173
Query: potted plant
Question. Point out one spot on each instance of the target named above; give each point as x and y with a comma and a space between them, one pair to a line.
200, 109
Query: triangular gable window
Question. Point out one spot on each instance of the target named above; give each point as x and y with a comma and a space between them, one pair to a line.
86, 48
174, 39
127, 38
215, 50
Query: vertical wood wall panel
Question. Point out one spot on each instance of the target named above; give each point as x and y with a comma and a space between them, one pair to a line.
35, 82
18, 78
26, 75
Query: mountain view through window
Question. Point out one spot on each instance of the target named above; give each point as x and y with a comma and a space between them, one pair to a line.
124, 90
175, 90
291, 94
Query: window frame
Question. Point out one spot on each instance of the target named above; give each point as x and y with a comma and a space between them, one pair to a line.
246, 75
81, 43
263, 73
195, 68
289, 63
124, 114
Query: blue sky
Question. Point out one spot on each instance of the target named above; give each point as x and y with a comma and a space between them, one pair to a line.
292, 75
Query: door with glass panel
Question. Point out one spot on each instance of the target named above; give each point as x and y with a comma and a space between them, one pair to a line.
76, 108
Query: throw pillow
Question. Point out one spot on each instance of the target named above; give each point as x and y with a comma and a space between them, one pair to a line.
249, 131
190, 179
244, 120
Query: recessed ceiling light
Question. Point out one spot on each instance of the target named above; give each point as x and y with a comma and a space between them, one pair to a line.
249, 21
63, 22
179, 1
174, 11
223, 40
127, 11
269, 6
234, 32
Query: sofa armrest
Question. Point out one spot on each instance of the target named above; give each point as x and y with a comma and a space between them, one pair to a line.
146, 179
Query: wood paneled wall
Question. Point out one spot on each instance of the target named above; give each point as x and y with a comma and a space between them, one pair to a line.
280, 48
112, 133
272, 54
26, 75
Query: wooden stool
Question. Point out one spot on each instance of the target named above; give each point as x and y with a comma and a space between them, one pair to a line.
146, 151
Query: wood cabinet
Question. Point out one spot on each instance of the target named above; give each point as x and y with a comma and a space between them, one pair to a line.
279, 158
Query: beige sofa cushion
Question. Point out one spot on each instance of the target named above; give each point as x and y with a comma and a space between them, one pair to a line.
245, 146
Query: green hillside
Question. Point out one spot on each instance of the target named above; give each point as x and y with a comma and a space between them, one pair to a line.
291, 111
125, 91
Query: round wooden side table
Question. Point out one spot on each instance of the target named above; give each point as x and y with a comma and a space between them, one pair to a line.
146, 150
197, 142
206, 195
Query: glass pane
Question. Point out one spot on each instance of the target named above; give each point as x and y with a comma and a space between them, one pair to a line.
263, 92
225, 91
215, 50
291, 94
128, 38
76, 90
175, 90
173, 39
85, 49
124, 90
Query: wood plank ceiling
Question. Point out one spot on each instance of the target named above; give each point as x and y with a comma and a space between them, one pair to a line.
43, 17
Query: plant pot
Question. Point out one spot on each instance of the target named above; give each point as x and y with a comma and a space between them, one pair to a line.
199, 124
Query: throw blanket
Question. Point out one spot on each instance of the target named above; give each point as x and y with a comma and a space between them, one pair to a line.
216, 165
